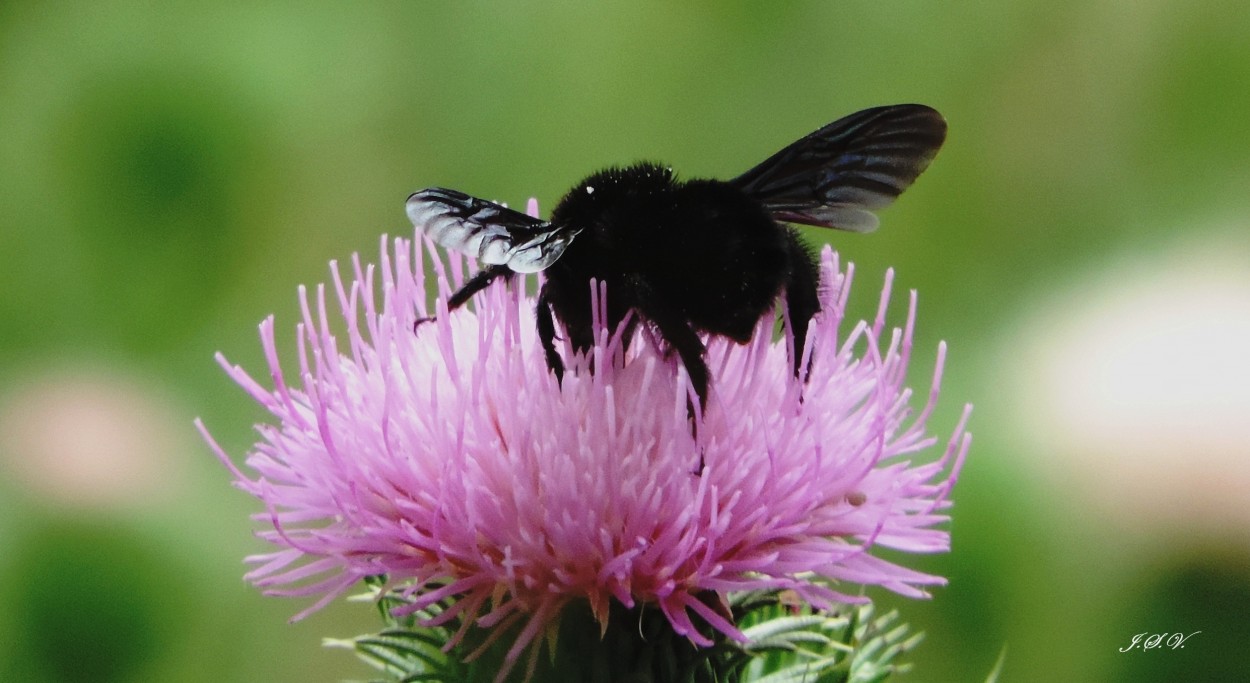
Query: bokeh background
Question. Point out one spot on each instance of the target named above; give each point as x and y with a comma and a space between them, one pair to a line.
169, 175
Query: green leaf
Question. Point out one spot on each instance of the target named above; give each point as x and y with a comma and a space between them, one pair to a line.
784, 644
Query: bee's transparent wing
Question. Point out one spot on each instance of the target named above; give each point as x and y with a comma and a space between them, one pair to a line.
491, 233
837, 176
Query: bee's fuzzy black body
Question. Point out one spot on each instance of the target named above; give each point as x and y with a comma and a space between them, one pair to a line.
690, 258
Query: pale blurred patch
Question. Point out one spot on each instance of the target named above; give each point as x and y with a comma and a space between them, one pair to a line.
1132, 387
92, 438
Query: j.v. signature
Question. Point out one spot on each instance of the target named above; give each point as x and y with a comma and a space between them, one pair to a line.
1150, 641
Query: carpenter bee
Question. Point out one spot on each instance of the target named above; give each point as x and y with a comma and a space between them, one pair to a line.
695, 257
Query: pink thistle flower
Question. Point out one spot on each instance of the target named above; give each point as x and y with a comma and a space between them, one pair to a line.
452, 461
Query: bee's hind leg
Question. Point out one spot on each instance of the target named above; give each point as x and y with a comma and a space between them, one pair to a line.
802, 296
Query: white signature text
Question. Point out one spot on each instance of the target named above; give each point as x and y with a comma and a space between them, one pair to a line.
1150, 641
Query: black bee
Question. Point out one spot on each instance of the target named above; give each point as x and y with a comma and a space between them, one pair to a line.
696, 256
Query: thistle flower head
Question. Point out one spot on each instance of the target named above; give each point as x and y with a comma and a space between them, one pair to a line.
451, 460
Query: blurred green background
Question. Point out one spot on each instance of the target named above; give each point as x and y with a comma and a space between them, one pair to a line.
168, 175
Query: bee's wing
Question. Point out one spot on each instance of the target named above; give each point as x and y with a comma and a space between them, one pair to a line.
491, 233
838, 175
